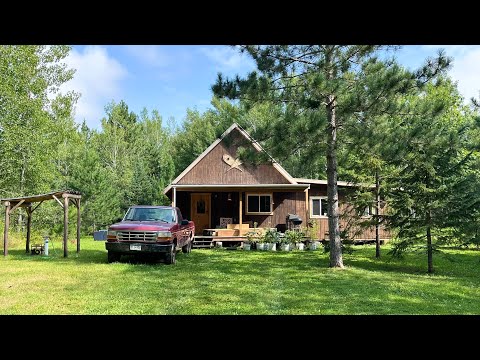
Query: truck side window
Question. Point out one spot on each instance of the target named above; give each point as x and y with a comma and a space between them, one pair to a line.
179, 216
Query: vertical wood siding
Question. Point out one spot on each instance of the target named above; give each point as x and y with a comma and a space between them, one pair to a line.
356, 232
213, 170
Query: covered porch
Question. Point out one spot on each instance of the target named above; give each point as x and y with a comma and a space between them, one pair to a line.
227, 212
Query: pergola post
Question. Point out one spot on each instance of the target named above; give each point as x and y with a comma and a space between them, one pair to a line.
29, 223
5, 230
240, 209
65, 225
174, 196
78, 225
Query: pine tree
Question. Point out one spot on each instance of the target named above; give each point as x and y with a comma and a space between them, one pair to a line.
326, 86
433, 190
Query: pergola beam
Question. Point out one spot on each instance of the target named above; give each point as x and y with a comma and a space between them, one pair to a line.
16, 206
58, 201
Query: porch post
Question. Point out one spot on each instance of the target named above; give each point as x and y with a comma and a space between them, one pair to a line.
5, 230
307, 204
174, 196
240, 208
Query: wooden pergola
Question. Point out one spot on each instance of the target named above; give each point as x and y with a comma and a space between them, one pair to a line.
26, 201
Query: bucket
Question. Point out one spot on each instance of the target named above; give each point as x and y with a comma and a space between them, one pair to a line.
300, 246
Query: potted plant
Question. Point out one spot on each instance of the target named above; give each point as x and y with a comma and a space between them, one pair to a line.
294, 239
285, 242
252, 238
312, 233
270, 239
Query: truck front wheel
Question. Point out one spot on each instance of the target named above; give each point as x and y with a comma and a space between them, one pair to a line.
170, 256
113, 257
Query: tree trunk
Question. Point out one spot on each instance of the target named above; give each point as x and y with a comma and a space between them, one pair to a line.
377, 215
336, 259
429, 244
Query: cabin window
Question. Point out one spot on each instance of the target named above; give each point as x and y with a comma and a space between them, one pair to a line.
259, 204
318, 206
201, 206
368, 211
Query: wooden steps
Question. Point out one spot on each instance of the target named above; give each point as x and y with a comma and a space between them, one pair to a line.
204, 241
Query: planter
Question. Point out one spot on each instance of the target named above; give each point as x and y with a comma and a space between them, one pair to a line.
246, 246
218, 244
314, 245
271, 246
285, 247
261, 246
300, 246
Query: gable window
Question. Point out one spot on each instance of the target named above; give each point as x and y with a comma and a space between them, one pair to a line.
318, 206
259, 204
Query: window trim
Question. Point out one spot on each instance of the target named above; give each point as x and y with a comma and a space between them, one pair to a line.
258, 194
370, 211
311, 207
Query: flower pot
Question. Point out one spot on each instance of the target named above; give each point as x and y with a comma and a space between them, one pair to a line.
300, 246
285, 247
271, 246
246, 246
314, 245
261, 246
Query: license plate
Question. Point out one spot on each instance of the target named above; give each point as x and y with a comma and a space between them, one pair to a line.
136, 247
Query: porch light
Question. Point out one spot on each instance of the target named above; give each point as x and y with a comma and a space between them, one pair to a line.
229, 197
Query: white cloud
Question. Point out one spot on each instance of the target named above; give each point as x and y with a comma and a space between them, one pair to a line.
98, 78
152, 55
466, 70
465, 67
228, 59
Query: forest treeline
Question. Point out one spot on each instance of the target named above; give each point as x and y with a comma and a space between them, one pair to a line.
418, 140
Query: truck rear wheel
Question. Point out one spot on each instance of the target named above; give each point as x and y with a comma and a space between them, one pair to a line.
113, 257
170, 257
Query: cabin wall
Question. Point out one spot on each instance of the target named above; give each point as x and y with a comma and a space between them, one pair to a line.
356, 232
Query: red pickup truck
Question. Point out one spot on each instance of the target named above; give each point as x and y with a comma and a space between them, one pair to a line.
150, 230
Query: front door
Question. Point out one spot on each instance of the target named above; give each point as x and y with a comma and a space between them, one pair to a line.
200, 205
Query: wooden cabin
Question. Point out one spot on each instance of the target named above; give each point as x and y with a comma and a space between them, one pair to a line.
225, 197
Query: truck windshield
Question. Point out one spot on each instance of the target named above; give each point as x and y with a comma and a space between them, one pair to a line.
150, 214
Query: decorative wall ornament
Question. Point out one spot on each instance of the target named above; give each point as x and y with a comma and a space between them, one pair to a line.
234, 163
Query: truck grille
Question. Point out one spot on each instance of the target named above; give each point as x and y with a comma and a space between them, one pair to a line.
137, 235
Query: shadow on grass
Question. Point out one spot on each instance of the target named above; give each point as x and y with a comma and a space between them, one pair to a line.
217, 281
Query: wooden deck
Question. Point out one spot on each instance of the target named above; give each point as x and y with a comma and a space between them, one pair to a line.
208, 241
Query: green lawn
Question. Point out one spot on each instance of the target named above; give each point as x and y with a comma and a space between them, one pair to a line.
221, 281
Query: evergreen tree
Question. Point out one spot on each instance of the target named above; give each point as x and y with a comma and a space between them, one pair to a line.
433, 190
329, 86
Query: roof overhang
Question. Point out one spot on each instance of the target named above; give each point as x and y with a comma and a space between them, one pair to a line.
236, 187
324, 182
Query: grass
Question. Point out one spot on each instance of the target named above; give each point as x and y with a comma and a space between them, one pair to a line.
220, 281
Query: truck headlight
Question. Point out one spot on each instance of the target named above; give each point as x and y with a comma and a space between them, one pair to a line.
112, 233
164, 234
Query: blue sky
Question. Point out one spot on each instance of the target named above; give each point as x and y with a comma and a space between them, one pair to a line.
172, 78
